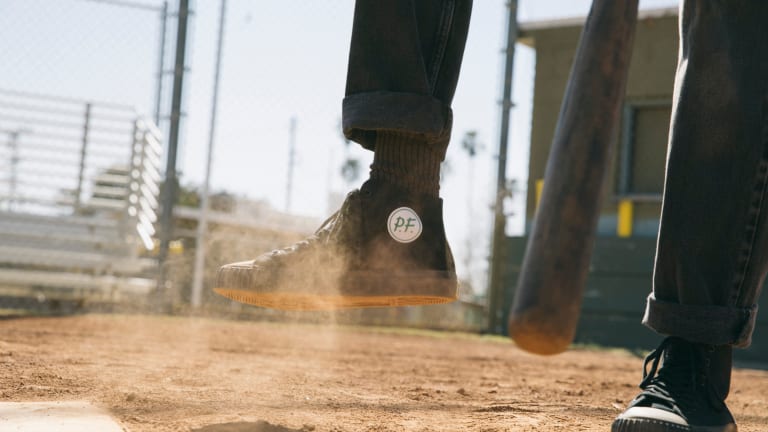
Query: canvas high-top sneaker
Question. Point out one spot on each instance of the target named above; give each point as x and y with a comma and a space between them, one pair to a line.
384, 247
686, 395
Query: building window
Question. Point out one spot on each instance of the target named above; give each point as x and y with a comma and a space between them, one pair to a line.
643, 152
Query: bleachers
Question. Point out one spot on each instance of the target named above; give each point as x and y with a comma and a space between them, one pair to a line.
78, 197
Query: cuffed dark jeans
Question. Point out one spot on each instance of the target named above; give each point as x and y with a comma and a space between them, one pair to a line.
404, 63
712, 253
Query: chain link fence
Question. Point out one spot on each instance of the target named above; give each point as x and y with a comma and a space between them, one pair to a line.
81, 97
280, 164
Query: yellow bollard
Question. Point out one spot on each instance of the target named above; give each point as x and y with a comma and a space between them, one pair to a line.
624, 226
539, 189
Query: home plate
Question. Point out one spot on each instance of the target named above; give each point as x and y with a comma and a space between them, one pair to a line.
62, 416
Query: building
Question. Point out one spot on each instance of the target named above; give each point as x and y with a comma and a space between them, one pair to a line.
622, 264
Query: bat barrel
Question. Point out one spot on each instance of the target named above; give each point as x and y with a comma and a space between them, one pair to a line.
551, 285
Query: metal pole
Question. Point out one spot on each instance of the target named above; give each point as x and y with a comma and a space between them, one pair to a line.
83, 151
498, 248
202, 222
469, 143
171, 179
161, 62
291, 162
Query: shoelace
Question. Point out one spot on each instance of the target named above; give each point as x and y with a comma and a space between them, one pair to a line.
675, 377
325, 230
319, 233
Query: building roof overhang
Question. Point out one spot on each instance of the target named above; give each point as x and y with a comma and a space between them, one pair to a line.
526, 29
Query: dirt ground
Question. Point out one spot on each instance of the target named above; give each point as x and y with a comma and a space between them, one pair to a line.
192, 374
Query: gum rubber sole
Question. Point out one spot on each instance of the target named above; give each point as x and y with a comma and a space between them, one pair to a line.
356, 289
307, 302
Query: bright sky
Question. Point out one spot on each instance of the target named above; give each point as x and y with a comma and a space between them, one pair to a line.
282, 58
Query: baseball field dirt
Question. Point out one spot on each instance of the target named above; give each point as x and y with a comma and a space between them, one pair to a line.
156, 373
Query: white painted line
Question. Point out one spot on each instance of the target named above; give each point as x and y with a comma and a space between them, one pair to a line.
61, 416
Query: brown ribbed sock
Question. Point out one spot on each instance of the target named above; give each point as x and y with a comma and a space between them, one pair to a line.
408, 161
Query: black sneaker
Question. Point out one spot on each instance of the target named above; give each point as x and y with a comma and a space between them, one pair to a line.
384, 247
686, 395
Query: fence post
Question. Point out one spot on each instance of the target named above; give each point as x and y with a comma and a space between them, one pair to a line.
498, 240
202, 222
161, 62
83, 150
170, 191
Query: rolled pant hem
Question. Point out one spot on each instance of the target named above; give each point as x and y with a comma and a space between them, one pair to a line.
706, 324
365, 113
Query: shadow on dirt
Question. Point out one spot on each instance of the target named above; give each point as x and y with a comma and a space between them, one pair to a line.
259, 426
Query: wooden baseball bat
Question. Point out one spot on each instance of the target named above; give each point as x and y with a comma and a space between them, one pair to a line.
551, 285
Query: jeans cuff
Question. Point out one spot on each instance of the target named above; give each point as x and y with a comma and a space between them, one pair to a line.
706, 324
365, 113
